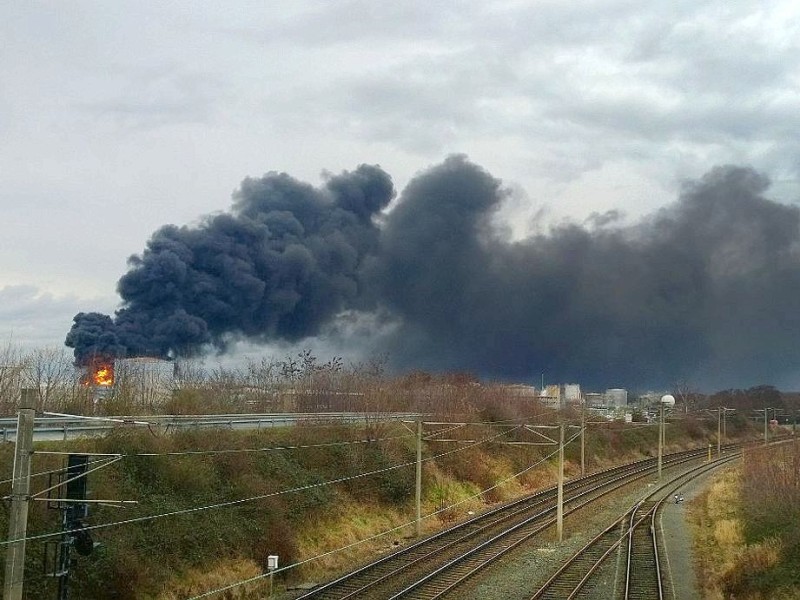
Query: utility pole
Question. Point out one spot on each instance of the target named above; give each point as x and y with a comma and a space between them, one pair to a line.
560, 508
418, 527
725, 423
766, 417
668, 400
583, 437
719, 431
20, 489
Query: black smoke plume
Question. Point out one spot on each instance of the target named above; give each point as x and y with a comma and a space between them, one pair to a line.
281, 264
705, 290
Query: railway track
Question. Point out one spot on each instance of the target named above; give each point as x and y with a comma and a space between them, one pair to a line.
634, 538
643, 579
436, 565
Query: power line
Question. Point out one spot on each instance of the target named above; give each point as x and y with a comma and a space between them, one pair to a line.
237, 450
230, 503
61, 469
81, 475
380, 534
509, 423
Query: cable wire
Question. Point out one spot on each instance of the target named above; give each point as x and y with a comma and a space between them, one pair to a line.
380, 534
239, 501
61, 469
240, 450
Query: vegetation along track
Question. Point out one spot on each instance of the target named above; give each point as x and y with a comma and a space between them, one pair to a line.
636, 537
434, 566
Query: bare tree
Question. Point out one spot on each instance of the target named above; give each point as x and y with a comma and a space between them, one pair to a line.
51, 373
190, 373
11, 366
684, 395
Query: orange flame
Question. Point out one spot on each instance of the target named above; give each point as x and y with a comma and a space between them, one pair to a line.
104, 375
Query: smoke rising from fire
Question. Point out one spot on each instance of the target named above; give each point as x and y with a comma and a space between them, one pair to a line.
704, 290
282, 263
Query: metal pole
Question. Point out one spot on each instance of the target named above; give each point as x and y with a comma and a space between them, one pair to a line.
719, 431
418, 523
660, 439
725, 424
765, 426
560, 507
583, 438
64, 557
20, 488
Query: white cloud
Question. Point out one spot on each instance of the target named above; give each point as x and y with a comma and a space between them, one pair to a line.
33, 318
128, 115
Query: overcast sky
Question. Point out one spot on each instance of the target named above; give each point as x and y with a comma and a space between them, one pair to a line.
119, 117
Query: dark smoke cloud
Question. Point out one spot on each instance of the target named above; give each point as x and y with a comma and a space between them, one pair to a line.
281, 264
705, 290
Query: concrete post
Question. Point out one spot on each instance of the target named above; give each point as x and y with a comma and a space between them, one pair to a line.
583, 438
20, 489
660, 440
560, 507
418, 523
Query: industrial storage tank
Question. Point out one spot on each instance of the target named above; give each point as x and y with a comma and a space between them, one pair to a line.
572, 392
146, 380
616, 397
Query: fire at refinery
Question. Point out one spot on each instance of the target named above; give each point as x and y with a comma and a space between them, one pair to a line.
98, 374
104, 375
145, 380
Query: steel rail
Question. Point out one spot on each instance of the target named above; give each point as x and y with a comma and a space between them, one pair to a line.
579, 569
365, 579
656, 556
639, 553
453, 574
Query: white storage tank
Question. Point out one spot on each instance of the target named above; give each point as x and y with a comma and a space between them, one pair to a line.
616, 397
147, 380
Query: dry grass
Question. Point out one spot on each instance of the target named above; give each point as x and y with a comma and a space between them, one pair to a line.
749, 561
198, 581
728, 533
727, 564
717, 531
346, 526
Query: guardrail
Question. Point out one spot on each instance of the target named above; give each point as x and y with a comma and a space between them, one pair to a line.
63, 428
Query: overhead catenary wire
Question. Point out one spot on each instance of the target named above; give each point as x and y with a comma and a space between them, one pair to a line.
380, 534
240, 501
79, 476
114, 455
508, 423
238, 450
61, 469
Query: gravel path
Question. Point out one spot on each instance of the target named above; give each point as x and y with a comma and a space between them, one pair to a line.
678, 539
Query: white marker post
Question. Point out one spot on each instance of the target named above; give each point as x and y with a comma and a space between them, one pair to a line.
272, 566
